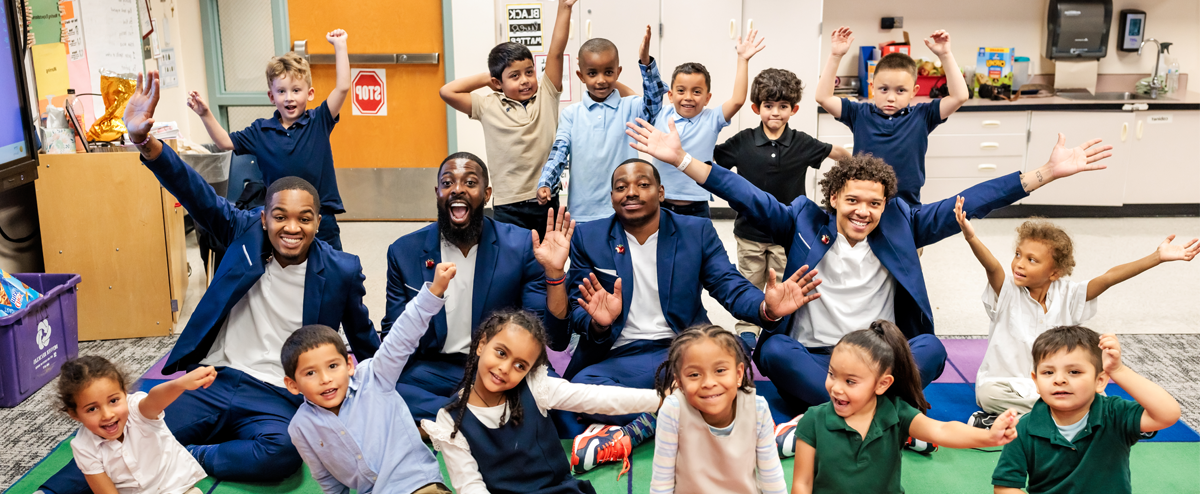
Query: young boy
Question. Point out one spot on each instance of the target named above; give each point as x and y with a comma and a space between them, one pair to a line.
1076, 440
295, 142
519, 121
592, 131
1034, 299
354, 430
698, 126
888, 127
776, 159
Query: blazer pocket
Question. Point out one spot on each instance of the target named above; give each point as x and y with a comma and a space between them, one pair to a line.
610, 272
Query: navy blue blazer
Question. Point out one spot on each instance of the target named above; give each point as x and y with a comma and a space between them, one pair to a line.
333, 282
806, 230
506, 276
690, 256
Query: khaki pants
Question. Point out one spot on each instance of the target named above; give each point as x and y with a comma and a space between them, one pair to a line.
434, 488
754, 258
194, 490
998, 396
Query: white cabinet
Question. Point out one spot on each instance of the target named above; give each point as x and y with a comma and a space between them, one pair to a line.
1095, 188
1163, 153
708, 35
624, 23
973, 147
792, 29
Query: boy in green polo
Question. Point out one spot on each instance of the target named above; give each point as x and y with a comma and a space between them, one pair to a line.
1079, 438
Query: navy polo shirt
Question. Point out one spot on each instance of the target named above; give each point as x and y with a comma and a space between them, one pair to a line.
778, 167
900, 139
302, 151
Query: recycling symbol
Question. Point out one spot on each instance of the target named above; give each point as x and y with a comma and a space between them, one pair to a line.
43, 334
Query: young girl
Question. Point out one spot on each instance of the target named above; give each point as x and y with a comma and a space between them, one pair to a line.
714, 434
497, 437
123, 452
852, 443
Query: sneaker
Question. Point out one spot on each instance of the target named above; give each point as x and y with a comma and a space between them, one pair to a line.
1147, 435
982, 419
600, 444
920, 446
785, 437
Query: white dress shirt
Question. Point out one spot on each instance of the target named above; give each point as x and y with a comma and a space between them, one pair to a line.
459, 294
258, 324
646, 320
856, 290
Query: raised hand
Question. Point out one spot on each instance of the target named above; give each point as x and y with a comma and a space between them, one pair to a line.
442, 274
785, 298
1168, 252
139, 111
644, 49
1111, 353
1065, 161
1004, 429
963, 222
197, 104
567, 3
604, 307
337, 37
938, 42
202, 377
842, 39
552, 252
662, 145
749, 46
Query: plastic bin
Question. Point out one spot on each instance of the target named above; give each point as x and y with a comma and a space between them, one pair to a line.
36, 340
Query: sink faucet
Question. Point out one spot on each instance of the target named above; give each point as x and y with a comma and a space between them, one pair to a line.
1154, 85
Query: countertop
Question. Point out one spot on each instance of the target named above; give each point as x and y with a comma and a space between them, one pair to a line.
1189, 101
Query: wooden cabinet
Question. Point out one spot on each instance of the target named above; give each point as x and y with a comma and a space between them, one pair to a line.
1163, 153
1096, 188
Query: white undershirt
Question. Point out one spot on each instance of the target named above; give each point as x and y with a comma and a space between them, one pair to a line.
458, 296
258, 324
646, 320
856, 290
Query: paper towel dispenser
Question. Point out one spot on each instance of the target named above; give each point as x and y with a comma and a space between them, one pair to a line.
1078, 29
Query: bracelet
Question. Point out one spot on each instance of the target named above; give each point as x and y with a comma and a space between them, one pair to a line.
763, 309
687, 160
144, 142
558, 281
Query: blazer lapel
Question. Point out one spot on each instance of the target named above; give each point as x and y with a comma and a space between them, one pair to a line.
433, 251
619, 249
666, 258
820, 244
314, 284
485, 267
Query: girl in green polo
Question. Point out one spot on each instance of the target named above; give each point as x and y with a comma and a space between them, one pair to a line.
852, 443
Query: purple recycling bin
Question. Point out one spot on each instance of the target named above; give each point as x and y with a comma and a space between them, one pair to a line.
36, 340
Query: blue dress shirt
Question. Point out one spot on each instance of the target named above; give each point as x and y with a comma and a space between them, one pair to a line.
699, 136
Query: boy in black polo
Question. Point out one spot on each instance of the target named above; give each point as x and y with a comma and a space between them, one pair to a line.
776, 159
295, 142
1074, 439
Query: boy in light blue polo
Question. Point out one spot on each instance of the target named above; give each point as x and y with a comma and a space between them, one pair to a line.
592, 131
354, 430
699, 126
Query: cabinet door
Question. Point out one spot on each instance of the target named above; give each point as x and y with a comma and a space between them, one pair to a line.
1164, 158
549, 16
706, 34
624, 23
792, 29
1095, 188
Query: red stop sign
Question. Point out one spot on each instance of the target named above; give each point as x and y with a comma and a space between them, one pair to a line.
368, 93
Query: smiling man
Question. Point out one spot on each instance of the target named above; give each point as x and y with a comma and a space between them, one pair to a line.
496, 269
277, 278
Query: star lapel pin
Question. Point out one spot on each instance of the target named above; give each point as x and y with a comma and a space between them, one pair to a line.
825, 239
620, 249
429, 263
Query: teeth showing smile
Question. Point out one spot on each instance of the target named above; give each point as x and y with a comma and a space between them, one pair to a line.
329, 393
860, 224
459, 210
110, 429
290, 241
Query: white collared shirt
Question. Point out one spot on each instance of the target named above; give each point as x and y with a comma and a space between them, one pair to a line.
258, 324
147, 460
856, 290
646, 320
1017, 319
459, 294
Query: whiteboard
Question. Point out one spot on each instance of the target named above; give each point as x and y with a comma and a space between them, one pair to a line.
111, 39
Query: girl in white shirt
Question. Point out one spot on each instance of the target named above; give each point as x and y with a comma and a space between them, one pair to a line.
123, 445
714, 434
497, 436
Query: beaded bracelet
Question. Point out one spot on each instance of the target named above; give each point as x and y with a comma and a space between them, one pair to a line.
558, 281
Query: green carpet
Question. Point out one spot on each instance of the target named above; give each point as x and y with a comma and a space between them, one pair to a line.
1161, 468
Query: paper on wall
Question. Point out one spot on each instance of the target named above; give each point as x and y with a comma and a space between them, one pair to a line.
1076, 75
525, 25
50, 69
72, 29
46, 26
112, 40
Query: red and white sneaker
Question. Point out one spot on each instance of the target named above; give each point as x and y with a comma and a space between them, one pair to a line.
785, 437
600, 444
922, 447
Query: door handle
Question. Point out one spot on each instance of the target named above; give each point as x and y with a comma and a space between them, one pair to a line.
571, 32
1139, 129
749, 25
989, 145
991, 123
732, 28
300, 47
848, 147
987, 167
588, 27
1124, 131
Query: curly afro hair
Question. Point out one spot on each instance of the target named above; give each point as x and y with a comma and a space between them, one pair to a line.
859, 167
1061, 248
776, 85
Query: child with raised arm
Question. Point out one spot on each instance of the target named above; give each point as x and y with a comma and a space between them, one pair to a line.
591, 133
1075, 439
519, 120
888, 127
123, 444
690, 91
354, 431
295, 142
1036, 297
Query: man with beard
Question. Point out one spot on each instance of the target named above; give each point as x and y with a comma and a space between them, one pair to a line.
496, 269
276, 278
637, 278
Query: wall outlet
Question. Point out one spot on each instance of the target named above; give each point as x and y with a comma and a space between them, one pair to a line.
891, 22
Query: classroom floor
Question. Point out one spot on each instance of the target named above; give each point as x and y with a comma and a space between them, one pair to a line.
1157, 311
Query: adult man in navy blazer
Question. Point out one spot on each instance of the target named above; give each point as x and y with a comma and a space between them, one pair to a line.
859, 206
237, 427
505, 275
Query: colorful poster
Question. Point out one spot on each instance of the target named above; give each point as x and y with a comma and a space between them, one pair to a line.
50, 69
46, 26
525, 25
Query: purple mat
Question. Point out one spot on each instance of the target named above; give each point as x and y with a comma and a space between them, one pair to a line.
155, 372
964, 358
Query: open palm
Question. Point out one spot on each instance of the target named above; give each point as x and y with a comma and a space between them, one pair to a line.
139, 111
1065, 161
664, 146
552, 252
785, 298
1187, 252
604, 307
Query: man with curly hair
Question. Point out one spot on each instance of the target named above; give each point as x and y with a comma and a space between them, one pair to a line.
863, 243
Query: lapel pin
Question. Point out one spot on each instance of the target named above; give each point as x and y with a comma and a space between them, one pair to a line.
825, 239
620, 249
429, 263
